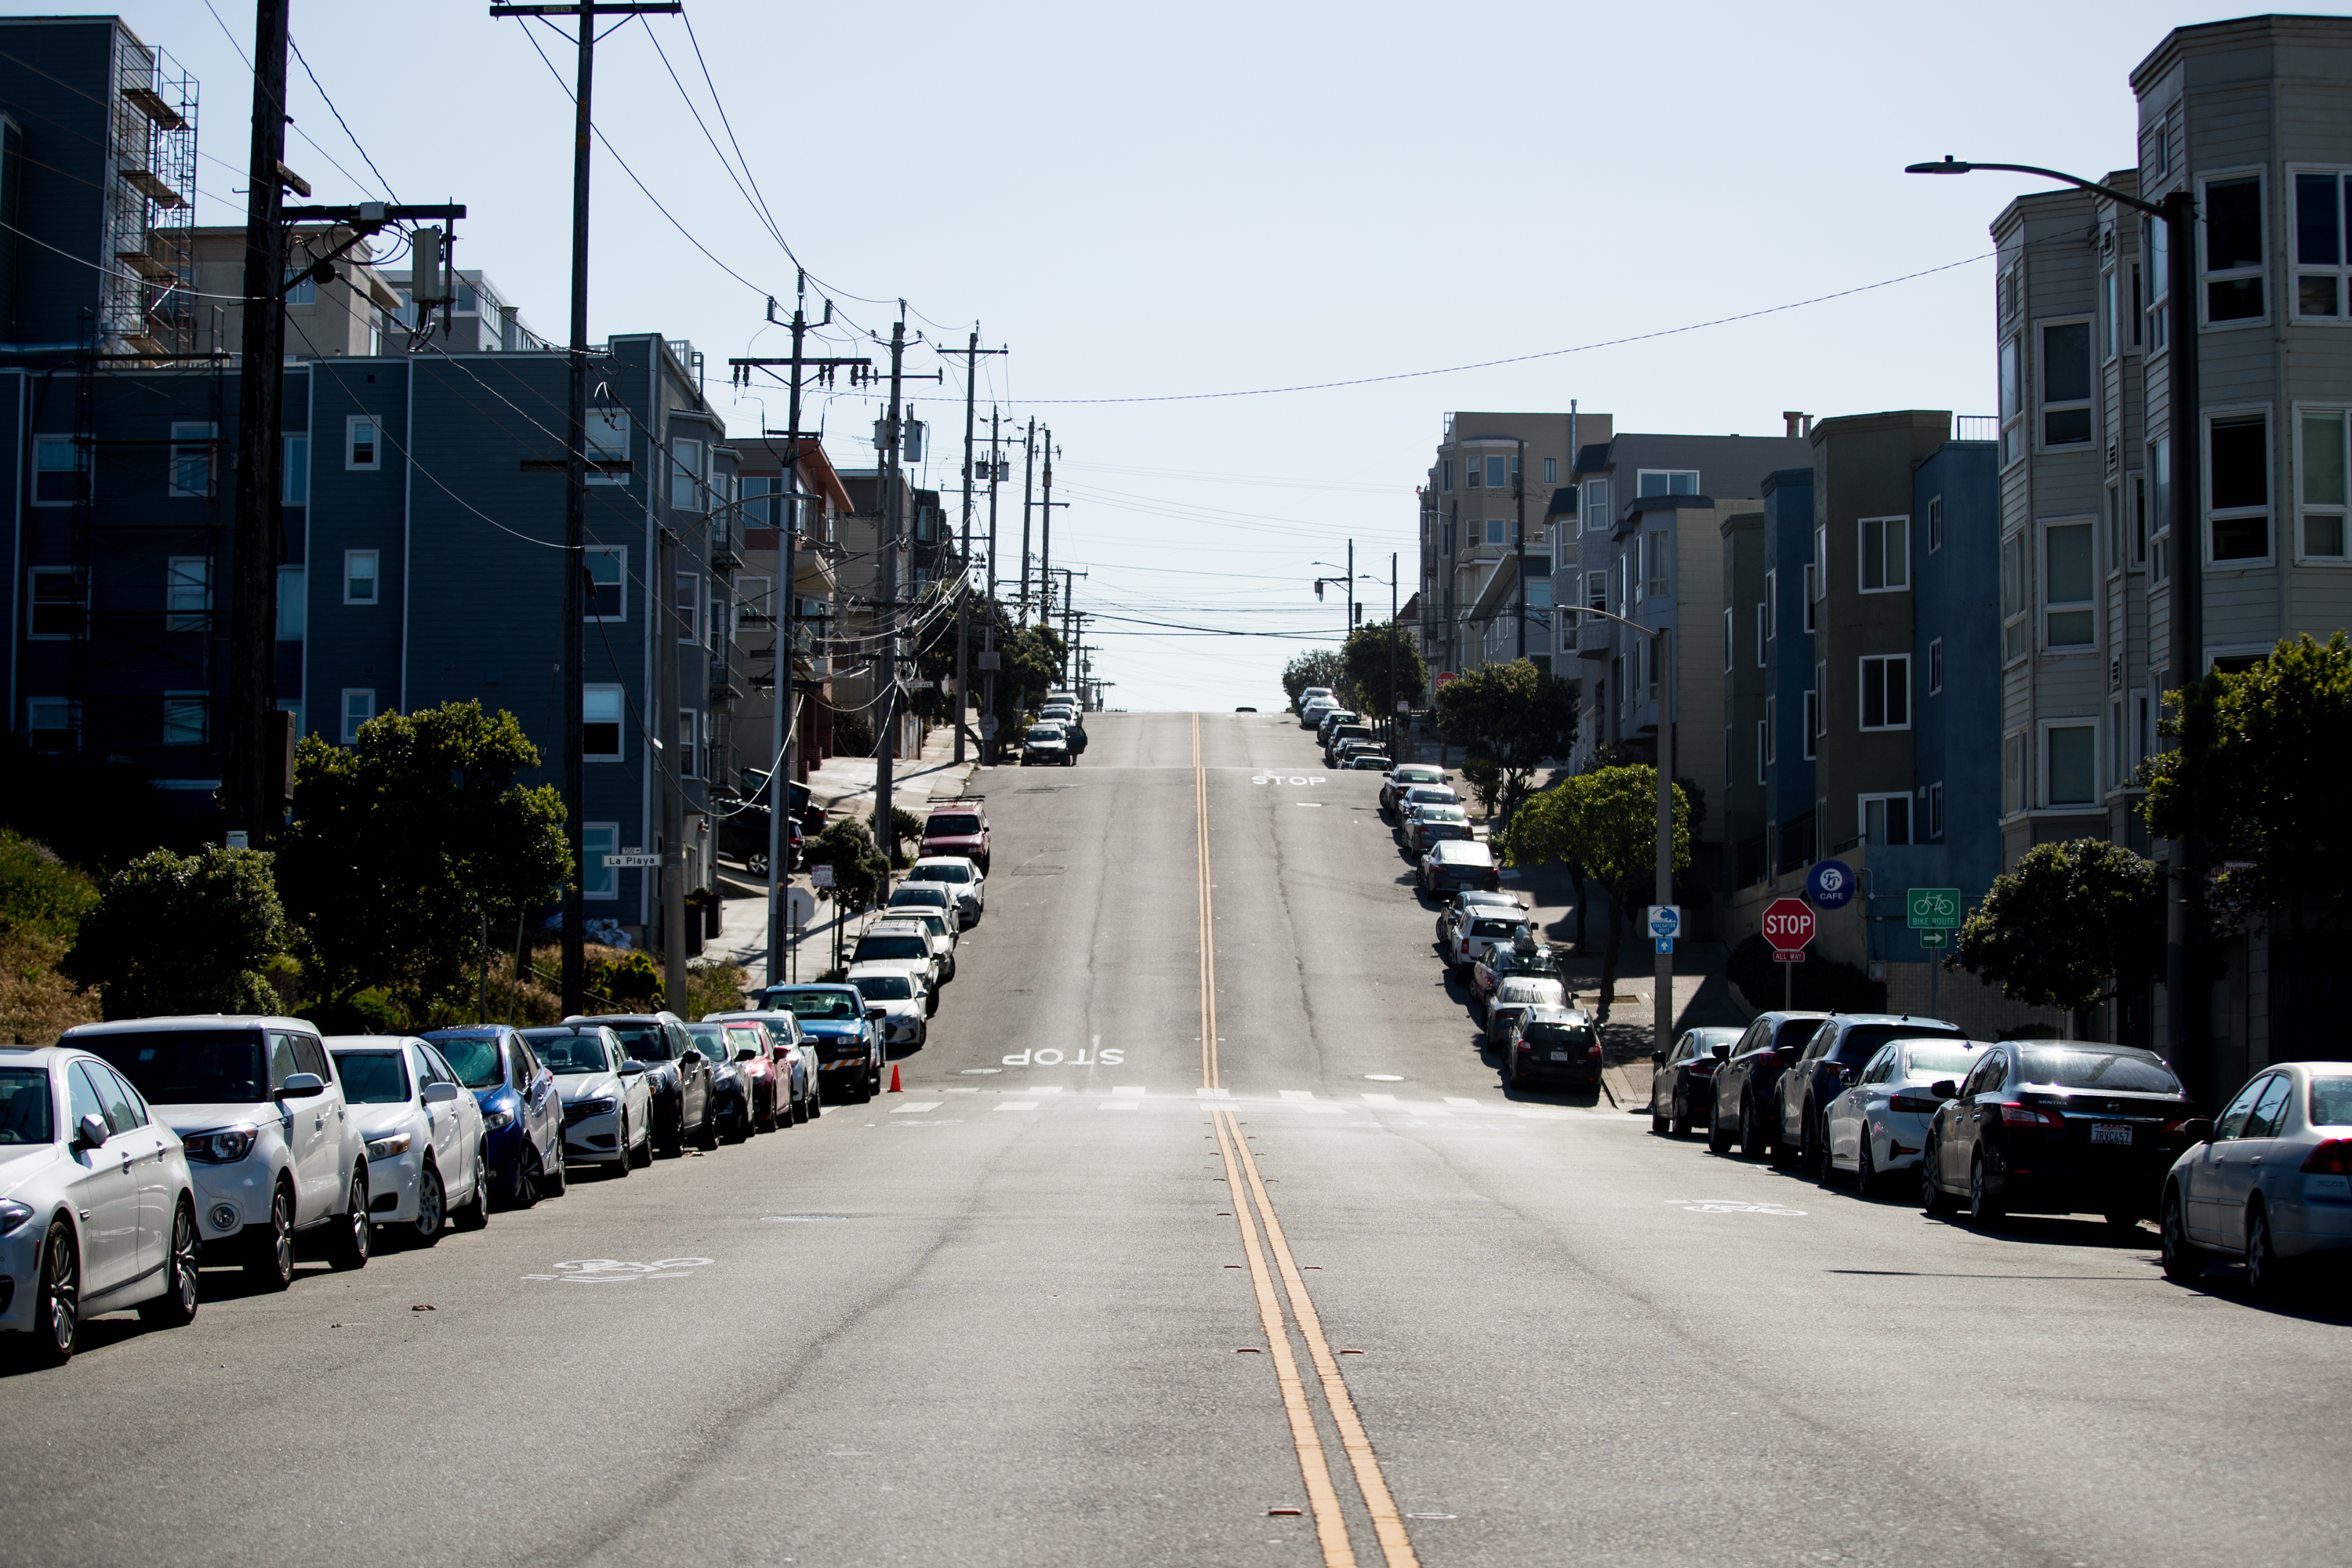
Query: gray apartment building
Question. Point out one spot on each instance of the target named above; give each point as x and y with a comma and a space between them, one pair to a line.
1492, 481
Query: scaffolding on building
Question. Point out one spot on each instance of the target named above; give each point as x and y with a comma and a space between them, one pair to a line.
148, 304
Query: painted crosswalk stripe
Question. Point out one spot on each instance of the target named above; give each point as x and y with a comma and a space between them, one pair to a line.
915, 1105
1127, 1091
1018, 1105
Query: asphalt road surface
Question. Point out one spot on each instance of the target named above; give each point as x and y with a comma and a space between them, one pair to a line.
1167, 1258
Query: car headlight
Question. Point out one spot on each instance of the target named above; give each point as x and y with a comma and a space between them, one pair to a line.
496, 1120
226, 1147
592, 1106
386, 1148
13, 1214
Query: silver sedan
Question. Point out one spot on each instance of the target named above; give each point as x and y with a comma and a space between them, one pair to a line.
2272, 1182
1879, 1123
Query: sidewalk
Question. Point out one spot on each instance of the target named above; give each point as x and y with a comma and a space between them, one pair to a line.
845, 786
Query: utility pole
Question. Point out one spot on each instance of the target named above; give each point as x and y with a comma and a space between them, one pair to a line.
971, 353
886, 752
252, 804
1395, 733
1046, 527
575, 475
1028, 476
1519, 536
988, 659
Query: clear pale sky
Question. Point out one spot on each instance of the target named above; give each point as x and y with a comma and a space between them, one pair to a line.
1149, 201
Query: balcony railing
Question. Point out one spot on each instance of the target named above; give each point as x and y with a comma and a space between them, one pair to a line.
1976, 427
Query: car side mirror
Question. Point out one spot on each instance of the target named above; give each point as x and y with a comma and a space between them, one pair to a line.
633, 1069
1847, 1075
1659, 1058
2199, 1130
301, 1086
1944, 1089
1723, 1053
91, 1131
440, 1093
747, 1055
878, 1014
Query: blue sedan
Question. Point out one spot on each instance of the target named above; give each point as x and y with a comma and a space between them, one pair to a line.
522, 1113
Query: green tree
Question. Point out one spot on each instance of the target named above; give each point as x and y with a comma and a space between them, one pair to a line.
1323, 666
402, 843
848, 846
183, 933
2073, 925
1366, 660
1513, 713
1607, 823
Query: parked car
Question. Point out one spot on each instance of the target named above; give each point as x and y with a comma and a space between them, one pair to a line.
791, 1057
97, 1208
1046, 746
1552, 1044
1433, 824
1838, 1050
427, 1162
272, 1152
608, 1098
2051, 1127
1473, 920
743, 835
966, 883
938, 927
1513, 996
1878, 1123
1311, 713
1521, 954
1682, 1079
844, 1032
731, 1105
1337, 735
1457, 863
677, 1074
1403, 776
522, 1113
1741, 1110
767, 1076
904, 997
1367, 763
907, 946
1313, 695
922, 893
1416, 795
1246, 708
957, 827
2270, 1182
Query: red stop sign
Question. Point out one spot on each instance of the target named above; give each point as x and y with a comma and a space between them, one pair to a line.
1788, 924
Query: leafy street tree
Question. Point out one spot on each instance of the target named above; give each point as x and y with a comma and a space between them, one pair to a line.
848, 846
1607, 823
1513, 713
176, 933
1366, 660
2075, 924
1324, 666
1030, 660
402, 843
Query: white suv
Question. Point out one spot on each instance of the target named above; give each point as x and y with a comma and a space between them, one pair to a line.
258, 1108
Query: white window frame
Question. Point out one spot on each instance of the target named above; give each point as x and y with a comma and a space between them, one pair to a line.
2010, 390
1768, 612
689, 739
2046, 606
1935, 811
1491, 458
618, 553
191, 442
1820, 578
177, 705
1771, 737
688, 467
1813, 722
2111, 319
294, 471
752, 602
687, 599
1763, 634
608, 432
2341, 416
375, 578
46, 444
2268, 511
1886, 682
2044, 405
61, 708
1552, 470
2016, 603
1935, 524
1885, 802
77, 603
2013, 773
1887, 528
1596, 505
1731, 640
2259, 273
351, 425
2043, 791
1763, 748
293, 603
187, 593
1670, 476
1812, 597
2155, 251
620, 720
1934, 667
598, 880
1658, 562
352, 716
2341, 271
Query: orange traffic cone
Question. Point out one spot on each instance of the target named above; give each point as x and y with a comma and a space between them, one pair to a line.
893, 1087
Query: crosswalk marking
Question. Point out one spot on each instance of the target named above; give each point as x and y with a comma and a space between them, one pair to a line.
1018, 1105
1127, 1091
1122, 1105
915, 1105
1451, 1100
1380, 1099
1298, 1094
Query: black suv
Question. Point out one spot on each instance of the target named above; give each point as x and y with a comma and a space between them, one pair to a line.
678, 1075
1742, 1113
1844, 1044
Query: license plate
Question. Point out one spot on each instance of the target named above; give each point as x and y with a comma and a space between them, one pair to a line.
1559, 1056
2110, 1132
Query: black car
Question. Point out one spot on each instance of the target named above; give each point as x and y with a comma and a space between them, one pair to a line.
1741, 1111
2056, 1127
684, 1104
731, 1104
1682, 1079
1843, 1046
1552, 1044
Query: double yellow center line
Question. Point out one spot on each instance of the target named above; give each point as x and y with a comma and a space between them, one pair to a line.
1280, 1313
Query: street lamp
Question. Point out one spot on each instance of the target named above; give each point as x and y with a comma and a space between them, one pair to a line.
2179, 211
1661, 966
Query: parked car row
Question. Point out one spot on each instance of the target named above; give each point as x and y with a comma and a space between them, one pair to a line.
133, 1152
1058, 738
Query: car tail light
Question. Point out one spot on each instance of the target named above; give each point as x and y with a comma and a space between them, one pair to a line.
1595, 1050
2333, 1158
2015, 1115
1922, 1103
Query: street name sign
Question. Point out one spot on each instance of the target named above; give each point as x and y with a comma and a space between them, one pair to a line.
630, 859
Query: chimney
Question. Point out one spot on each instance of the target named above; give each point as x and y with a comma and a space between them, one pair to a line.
1797, 424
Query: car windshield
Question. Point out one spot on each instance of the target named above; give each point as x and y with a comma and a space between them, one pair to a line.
1494, 928
188, 1066
1045, 732
1529, 988
1513, 963
711, 1040
24, 1106
941, 873
1560, 1034
2331, 1102
566, 1051
643, 1042
473, 1058
816, 1004
1862, 1041
1932, 1062
1431, 794
884, 987
373, 1078
2130, 1072
1444, 814
955, 826
924, 898
1420, 776
873, 947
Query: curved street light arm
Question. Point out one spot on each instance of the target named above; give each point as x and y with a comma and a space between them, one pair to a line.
1950, 165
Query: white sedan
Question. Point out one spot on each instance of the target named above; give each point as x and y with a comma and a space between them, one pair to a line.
2272, 1183
97, 1211
427, 1155
903, 992
962, 878
1879, 1121
608, 1104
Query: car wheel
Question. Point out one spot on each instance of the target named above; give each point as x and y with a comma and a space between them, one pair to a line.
555, 1178
2183, 1259
1780, 1154
643, 1154
1659, 1124
1932, 1197
1751, 1132
1865, 1170
1686, 1121
58, 1328
355, 1238
814, 1106
523, 1192
2267, 1271
707, 1140
1825, 1170
1718, 1140
1983, 1207
756, 863
675, 1144
739, 1124
432, 1205
1813, 1150
269, 1266
176, 1307
476, 1212
619, 1169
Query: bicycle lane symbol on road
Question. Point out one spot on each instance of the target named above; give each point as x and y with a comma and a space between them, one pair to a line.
1733, 1206
614, 1271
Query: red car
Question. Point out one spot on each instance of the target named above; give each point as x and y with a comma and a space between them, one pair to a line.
959, 827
